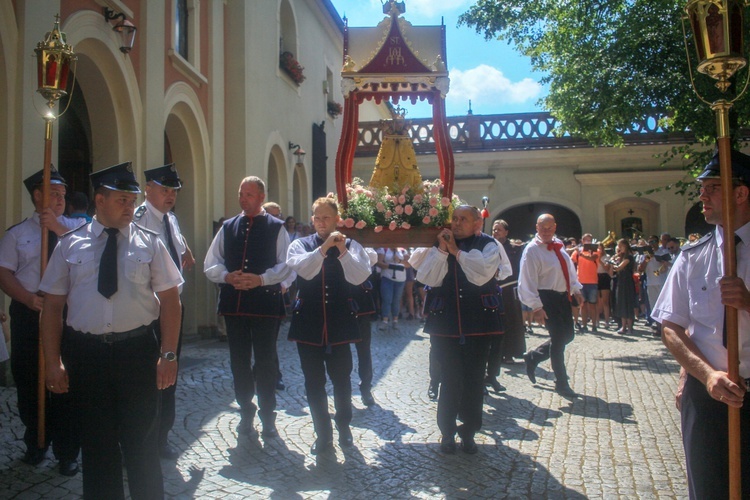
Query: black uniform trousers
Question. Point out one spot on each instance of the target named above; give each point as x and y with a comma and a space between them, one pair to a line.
114, 389
337, 361
560, 327
60, 426
245, 335
168, 411
462, 382
364, 353
705, 436
513, 341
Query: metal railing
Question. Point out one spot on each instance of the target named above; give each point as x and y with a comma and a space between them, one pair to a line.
474, 133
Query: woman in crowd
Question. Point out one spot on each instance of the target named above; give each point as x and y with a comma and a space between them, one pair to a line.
604, 275
391, 262
626, 299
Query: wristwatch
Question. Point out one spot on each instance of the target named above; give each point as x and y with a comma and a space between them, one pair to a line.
169, 356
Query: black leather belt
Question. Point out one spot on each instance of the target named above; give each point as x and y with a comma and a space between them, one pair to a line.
111, 338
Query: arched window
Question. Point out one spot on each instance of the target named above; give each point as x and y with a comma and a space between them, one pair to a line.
181, 28
288, 51
184, 51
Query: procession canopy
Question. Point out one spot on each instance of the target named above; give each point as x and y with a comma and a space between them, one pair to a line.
394, 61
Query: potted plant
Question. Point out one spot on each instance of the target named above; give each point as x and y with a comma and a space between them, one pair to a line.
292, 67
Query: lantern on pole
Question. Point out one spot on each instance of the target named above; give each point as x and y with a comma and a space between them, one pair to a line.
717, 32
54, 57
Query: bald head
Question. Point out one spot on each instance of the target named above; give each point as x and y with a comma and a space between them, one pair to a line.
546, 227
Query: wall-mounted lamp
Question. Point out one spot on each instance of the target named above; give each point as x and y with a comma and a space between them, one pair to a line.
124, 28
298, 152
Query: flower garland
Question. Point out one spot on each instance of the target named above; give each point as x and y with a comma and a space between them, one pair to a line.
412, 207
289, 64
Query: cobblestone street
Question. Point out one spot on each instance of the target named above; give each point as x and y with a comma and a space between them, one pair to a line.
619, 439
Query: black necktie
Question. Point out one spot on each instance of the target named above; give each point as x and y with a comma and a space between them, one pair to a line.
108, 264
170, 241
737, 241
51, 243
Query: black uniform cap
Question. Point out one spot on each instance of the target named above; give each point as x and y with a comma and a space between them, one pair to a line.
740, 168
164, 176
117, 178
34, 181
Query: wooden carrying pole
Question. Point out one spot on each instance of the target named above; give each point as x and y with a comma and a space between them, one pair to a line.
730, 270
41, 387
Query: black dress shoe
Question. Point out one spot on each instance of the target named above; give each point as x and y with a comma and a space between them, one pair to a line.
565, 390
345, 437
166, 451
68, 467
269, 430
246, 427
280, 385
321, 446
530, 368
367, 398
448, 445
432, 392
468, 445
492, 382
34, 456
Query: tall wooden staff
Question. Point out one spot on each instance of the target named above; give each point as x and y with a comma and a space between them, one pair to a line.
717, 31
54, 56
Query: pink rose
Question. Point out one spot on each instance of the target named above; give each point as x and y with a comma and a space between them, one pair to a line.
369, 194
402, 199
405, 225
378, 229
433, 202
434, 189
380, 207
427, 219
360, 224
417, 198
392, 225
433, 212
359, 190
406, 188
445, 202
408, 209
388, 214
349, 222
340, 223
399, 209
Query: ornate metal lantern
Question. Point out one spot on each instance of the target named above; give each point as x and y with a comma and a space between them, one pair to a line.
54, 56
717, 31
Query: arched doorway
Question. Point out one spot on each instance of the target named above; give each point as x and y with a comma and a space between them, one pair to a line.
74, 141
522, 220
276, 180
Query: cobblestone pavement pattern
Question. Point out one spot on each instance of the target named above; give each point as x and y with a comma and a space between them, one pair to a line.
619, 439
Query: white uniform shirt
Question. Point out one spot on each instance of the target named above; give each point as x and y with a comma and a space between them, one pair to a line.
21, 249
144, 267
153, 219
541, 270
355, 262
691, 298
216, 271
478, 266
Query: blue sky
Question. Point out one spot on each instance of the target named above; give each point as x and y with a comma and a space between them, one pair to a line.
490, 73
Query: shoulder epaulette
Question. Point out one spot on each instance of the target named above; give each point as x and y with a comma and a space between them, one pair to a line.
690, 246
14, 225
146, 230
74, 230
139, 212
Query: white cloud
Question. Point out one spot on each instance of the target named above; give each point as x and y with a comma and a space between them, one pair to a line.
486, 84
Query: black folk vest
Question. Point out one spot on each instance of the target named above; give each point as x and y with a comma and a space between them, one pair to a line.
326, 308
459, 308
250, 246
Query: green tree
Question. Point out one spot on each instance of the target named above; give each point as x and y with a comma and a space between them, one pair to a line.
609, 63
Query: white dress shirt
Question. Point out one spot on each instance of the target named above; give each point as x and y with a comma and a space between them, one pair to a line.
541, 270
504, 269
21, 249
478, 266
355, 262
691, 298
216, 271
144, 267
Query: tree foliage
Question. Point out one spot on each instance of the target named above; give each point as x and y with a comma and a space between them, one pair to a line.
609, 63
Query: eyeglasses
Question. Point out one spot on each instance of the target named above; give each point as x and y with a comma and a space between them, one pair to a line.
709, 189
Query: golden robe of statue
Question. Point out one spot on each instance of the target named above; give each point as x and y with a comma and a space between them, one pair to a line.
396, 164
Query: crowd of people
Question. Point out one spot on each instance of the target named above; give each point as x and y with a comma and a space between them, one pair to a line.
111, 315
